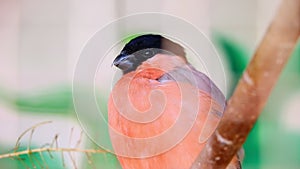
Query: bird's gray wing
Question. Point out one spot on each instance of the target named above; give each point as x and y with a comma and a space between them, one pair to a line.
191, 75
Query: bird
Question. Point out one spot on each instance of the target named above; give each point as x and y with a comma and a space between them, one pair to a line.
162, 110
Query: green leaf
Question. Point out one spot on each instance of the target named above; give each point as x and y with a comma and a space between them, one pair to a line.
234, 53
293, 65
129, 38
53, 100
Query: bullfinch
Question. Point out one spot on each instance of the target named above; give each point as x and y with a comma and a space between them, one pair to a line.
162, 110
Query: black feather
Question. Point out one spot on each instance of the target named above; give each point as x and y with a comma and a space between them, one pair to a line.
144, 47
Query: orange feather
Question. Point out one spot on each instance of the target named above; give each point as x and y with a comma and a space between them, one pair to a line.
140, 107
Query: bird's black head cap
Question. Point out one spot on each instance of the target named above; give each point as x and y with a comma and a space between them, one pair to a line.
144, 47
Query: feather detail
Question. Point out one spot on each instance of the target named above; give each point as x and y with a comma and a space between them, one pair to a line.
156, 108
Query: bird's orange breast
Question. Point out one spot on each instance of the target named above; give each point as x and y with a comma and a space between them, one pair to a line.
133, 107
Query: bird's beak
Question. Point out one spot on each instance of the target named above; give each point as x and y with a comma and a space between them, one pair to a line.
123, 61
119, 59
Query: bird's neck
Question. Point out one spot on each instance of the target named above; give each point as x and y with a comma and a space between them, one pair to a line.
159, 65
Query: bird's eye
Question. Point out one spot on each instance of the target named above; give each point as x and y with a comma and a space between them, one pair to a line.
148, 53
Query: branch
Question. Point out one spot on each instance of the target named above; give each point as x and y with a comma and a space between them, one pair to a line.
17, 153
253, 88
51, 149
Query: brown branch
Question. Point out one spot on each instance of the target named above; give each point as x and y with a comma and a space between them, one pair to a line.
253, 88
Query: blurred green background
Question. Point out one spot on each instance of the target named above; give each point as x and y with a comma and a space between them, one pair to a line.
40, 42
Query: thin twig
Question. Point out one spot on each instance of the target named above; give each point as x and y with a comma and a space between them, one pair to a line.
79, 140
43, 160
90, 160
34, 159
30, 139
253, 89
30, 156
29, 129
63, 159
51, 149
22, 162
71, 135
54, 141
72, 160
